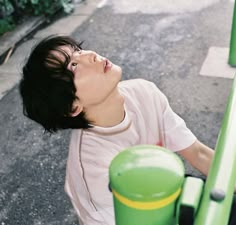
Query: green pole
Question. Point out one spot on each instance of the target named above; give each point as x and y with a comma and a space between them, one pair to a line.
218, 193
232, 50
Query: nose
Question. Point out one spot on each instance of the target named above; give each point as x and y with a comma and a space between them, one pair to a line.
91, 56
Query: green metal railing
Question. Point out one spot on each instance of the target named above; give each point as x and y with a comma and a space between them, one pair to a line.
217, 197
232, 50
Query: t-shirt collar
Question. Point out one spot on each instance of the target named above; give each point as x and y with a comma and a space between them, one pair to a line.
122, 126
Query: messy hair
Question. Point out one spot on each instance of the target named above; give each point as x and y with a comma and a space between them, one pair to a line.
47, 86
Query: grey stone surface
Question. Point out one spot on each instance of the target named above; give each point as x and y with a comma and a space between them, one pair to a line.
167, 48
159, 6
68, 24
220, 57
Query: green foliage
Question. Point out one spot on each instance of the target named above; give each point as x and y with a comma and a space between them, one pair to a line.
48, 7
12, 12
6, 25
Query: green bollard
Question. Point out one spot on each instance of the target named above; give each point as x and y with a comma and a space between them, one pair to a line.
232, 50
146, 181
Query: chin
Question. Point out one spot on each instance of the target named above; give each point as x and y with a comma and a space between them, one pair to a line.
116, 71
119, 71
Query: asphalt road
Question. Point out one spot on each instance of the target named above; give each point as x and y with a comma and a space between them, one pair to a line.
157, 41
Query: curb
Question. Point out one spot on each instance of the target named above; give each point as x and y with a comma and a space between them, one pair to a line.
11, 40
19, 40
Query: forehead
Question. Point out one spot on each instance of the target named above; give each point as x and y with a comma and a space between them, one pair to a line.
68, 49
63, 50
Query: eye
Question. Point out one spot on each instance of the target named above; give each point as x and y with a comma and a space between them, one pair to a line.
73, 65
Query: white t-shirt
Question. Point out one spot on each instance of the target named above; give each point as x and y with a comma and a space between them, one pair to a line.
148, 120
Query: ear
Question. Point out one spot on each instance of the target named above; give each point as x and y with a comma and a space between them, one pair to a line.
77, 108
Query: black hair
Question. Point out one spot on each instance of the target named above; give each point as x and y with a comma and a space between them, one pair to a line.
47, 87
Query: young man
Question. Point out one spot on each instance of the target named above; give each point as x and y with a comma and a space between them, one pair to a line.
64, 87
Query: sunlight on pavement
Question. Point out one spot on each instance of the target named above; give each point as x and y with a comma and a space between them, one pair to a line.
102, 3
216, 64
159, 6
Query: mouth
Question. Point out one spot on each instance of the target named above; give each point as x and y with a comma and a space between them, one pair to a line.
107, 65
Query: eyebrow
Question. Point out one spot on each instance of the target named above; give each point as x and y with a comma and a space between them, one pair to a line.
66, 55
72, 49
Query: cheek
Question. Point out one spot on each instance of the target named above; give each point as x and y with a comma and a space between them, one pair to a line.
90, 92
88, 70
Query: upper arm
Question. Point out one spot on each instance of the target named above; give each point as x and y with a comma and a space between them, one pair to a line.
199, 156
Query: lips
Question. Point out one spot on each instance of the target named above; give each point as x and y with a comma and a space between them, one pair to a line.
107, 65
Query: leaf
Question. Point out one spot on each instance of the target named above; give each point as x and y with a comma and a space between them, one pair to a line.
34, 2
67, 7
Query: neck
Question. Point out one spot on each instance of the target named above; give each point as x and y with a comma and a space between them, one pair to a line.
108, 113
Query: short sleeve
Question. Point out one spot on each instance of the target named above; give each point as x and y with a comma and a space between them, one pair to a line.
174, 135
177, 135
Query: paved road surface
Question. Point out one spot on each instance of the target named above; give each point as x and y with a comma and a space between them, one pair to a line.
158, 41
